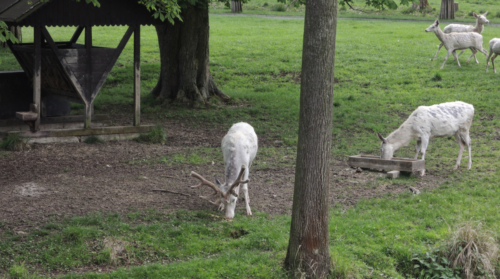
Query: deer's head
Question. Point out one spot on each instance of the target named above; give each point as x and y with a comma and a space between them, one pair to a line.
225, 195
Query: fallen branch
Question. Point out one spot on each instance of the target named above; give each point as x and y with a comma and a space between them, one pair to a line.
167, 176
168, 191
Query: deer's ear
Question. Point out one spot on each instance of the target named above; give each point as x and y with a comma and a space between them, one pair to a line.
474, 14
485, 14
384, 140
436, 22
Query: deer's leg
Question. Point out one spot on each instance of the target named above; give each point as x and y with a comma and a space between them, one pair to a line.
488, 62
417, 148
493, 62
474, 51
456, 57
244, 187
423, 149
460, 152
469, 143
439, 48
446, 58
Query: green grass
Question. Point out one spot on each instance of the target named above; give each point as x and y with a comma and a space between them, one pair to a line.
384, 72
464, 14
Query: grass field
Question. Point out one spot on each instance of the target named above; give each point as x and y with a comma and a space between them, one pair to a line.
466, 7
384, 72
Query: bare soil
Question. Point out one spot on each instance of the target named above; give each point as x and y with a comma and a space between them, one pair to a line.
55, 181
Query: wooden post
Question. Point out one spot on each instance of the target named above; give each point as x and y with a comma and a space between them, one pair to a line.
137, 75
447, 9
37, 71
77, 34
88, 77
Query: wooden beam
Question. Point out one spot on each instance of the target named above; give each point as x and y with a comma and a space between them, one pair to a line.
77, 34
112, 62
66, 68
85, 132
88, 77
37, 73
56, 119
137, 75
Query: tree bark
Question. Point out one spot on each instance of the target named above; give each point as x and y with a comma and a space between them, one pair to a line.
236, 7
424, 4
308, 251
184, 56
16, 30
447, 9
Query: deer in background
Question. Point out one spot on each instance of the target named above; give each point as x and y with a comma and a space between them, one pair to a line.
494, 50
481, 20
426, 122
457, 41
239, 148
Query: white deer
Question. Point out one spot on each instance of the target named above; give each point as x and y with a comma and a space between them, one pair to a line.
458, 41
481, 20
494, 50
426, 122
239, 148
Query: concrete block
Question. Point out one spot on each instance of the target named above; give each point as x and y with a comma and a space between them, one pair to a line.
393, 174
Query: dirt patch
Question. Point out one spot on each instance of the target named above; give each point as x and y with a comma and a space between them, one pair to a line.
55, 181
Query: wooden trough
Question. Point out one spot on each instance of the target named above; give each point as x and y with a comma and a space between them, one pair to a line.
395, 164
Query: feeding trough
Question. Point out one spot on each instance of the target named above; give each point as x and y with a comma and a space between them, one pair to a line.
395, 164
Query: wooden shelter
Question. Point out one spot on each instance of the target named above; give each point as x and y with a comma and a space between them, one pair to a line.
75, 72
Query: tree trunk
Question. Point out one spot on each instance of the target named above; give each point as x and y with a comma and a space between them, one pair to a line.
184, 56
424, 4
447, 9
16, 30
236, 7
308, 251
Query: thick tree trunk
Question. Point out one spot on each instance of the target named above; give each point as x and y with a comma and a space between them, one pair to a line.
185, 74
236, 7
447, 9
308, 251
17, 32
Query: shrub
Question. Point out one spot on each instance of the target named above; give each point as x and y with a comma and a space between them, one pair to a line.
18, 271
14, 142
409, 10
280, 7
433, 265
157, 135
473, 250
497, 14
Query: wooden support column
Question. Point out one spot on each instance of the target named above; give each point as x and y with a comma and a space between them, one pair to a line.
37, 71
137, 75
88, 77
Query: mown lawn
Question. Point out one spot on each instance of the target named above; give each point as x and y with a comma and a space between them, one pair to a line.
384, 72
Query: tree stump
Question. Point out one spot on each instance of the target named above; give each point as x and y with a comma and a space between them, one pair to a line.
236, 7
447, 9
17, 32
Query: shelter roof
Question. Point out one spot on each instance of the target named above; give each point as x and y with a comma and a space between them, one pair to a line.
73, 13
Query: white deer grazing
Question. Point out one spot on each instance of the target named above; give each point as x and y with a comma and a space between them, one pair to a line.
458, 41
426, 122
239, 148
481, 20
494, 50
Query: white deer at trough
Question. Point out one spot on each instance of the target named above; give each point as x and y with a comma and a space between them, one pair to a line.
481, 20
494, 50
426, 122
239, 148
458, 41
